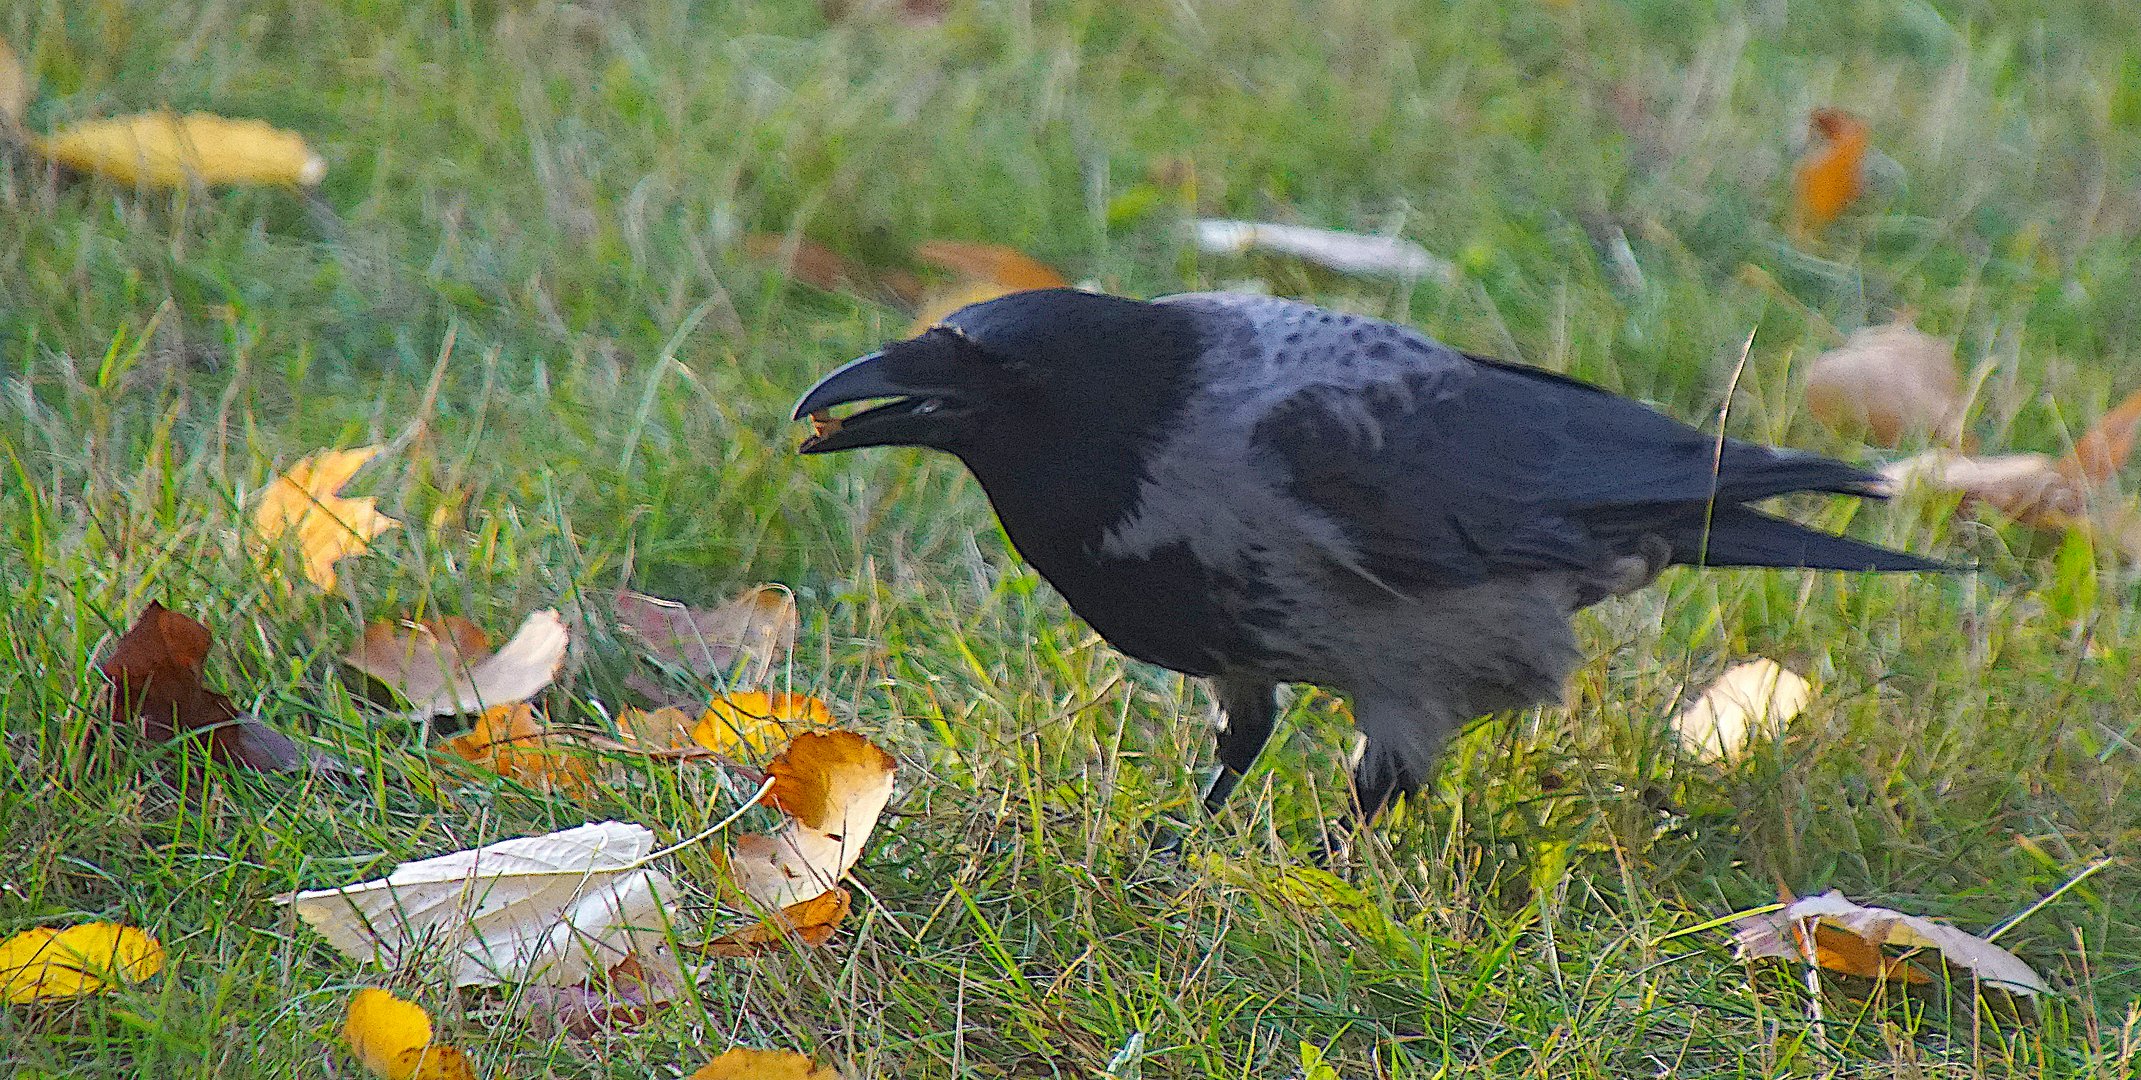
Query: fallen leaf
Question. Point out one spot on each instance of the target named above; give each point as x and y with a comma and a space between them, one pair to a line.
392, 1039
985, 272
1757, 697
155, 672
1345, 252
440, 668
810, 922
820, 267
2102, 450
1009, 267
161, 149
1886, 383
511, 741
833, 786
737, 643
2031, 488
742, 1063
756, 721
1852, 939
17, 86
50, 964
1831, 174
551, 909
301, 505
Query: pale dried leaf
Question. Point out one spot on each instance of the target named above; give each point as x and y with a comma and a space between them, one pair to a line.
1887, 383
810, 922
1774, 935
2031, 488
439, 668
1345, 252
551, 909
1754, 698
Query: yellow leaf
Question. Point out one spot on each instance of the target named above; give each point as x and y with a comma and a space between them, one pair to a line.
392, 1038
1832, 173
48, 964
16, 86
160, 149
742, 1063
757, 721
511, 741
327, 528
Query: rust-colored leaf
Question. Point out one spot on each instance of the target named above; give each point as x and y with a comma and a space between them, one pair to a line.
1006, 266
1831, 175
2102, 451
155, 672
811, 922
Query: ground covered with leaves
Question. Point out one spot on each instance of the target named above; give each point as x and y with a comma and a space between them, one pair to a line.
389, 434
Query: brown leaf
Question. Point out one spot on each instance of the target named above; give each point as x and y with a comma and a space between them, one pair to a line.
736, 643
811, 922
1888, 382
1831, 175
155, 672
2030, 488
621, 999
442, 667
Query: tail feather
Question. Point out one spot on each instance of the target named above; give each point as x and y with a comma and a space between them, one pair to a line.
1738, 536
1749, 473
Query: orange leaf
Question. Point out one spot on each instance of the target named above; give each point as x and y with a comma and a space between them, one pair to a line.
511, 741
743, 1063
1006, 266
1840, 950
155, 672
833, 781
2101, 452
1831, 175
811, 922
940, 303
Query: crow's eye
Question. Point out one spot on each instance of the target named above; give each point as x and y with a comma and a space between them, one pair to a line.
928, 405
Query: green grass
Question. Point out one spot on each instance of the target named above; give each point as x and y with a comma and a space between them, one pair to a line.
557, 190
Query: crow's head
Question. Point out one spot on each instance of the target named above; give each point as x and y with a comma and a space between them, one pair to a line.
1019, 374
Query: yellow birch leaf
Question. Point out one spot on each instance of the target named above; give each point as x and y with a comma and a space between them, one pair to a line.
392, 1038
162, 149
744, 1063
757, 721
48, 964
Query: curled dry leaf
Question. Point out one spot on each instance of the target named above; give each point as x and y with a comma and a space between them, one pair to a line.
512, 741
2030, 488
738, 642
1886, 383
833, 786
1345, 252
155, 672
811, 922
50, 964
743, 1063
551, 909
1759, 696
391, 1038
160, 149
1842, 936
301, 507
1831, 174
440, 667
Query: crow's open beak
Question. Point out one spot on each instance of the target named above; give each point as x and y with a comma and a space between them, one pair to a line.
896, 422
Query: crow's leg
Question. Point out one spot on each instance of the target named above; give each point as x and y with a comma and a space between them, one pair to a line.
1246, 709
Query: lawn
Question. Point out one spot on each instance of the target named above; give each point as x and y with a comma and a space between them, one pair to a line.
525, 271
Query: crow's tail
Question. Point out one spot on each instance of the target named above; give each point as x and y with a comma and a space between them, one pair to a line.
1738, 536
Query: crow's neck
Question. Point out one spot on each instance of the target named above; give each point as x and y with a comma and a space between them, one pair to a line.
1058, 499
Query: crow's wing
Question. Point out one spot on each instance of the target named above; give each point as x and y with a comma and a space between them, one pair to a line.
1442, 469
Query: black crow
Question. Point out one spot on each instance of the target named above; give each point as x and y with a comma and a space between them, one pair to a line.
1259, 491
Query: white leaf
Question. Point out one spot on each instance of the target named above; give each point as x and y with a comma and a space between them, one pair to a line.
1756, 697
1345, 252
551, 909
